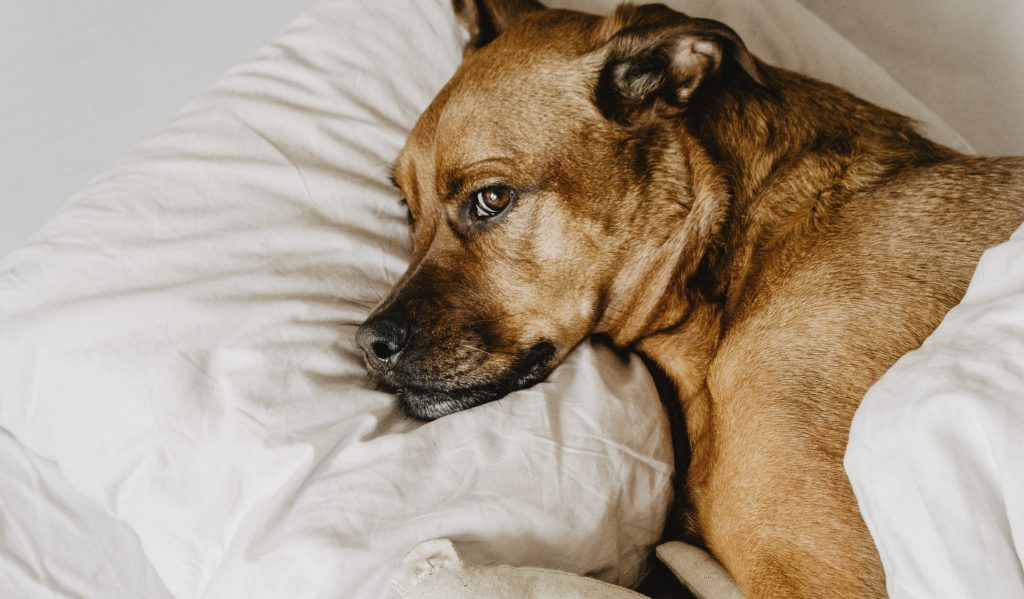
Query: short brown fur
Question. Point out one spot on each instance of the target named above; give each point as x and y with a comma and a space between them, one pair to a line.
770, 241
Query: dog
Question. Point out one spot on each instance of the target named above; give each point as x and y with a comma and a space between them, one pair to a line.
772, 243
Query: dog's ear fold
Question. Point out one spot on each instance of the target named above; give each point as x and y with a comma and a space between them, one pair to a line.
486, 19
658, 60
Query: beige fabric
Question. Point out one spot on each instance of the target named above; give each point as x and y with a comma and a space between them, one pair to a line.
699, 571
433, 570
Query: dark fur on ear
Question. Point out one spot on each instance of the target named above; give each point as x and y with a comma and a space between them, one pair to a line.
658, 59
486, 19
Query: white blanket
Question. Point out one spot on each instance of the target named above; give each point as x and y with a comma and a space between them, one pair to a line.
55, 544
936, 452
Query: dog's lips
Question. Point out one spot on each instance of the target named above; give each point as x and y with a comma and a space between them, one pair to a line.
430, 405
429, 401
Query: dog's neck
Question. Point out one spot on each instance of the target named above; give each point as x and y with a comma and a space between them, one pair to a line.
789, 167
758, 134
790, 164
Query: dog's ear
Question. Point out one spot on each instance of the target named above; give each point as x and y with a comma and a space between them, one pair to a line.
658, 60
486, 19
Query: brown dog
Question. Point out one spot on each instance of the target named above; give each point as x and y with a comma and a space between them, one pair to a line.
771, 242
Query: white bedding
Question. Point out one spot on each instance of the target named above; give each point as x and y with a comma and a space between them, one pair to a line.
180, 341
936, 453
56, 544
264, 344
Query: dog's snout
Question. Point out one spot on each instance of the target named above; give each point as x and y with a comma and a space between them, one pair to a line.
382, 340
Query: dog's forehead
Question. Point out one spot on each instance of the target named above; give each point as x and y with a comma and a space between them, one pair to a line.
515, 107
518, 96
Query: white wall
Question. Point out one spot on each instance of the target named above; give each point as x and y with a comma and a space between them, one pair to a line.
978, 46
81, 82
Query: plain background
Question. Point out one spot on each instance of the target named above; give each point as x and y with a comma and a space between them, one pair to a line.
965, 60
82, 82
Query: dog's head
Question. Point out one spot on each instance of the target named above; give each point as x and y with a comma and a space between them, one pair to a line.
553, 193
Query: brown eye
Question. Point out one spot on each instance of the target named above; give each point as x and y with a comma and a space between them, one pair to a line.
492, 201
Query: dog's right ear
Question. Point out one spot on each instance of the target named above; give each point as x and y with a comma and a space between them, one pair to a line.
486, 19
658, 60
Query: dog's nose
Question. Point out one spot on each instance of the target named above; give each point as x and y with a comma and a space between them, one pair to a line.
382, 340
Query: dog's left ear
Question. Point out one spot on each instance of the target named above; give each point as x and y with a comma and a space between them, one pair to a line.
486, 19
658, 60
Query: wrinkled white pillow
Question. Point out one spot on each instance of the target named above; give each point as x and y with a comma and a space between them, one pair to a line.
936, 450
180, 341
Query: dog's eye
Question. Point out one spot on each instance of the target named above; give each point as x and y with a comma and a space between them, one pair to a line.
492, 201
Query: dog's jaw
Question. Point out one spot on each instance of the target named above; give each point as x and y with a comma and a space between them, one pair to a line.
431, 405
432, 402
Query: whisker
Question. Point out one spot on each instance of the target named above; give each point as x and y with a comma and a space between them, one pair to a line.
484, 320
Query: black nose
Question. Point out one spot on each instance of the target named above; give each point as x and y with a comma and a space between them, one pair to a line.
382, 340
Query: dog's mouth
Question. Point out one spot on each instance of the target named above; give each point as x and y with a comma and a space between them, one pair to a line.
435, 399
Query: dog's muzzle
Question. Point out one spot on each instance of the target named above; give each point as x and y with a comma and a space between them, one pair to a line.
426, 394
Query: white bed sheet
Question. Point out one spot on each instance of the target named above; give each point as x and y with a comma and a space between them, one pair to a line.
180, 341
56, 545
80, 84
936, 454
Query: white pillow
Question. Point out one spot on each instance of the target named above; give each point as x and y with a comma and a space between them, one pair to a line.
937, 446
180, 341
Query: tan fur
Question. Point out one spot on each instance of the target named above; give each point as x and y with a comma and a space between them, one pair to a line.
773, 246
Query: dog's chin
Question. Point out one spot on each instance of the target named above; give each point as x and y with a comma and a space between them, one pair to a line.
430, 403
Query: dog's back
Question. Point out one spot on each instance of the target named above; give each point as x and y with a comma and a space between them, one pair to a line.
820, 325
